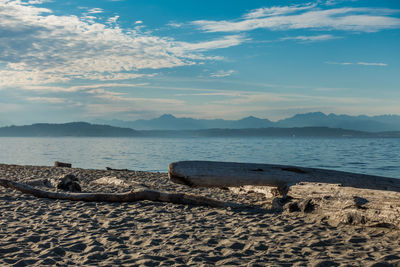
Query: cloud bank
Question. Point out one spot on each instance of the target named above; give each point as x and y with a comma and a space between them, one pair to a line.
39, 47
307, 16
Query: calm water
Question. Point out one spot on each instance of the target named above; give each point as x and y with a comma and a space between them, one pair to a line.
371, 156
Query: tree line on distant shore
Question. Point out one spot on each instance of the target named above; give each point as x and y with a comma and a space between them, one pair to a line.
83, 129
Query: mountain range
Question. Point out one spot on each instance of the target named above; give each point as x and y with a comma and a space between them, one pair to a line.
316, 119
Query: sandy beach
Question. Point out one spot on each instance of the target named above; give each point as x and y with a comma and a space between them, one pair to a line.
38, 232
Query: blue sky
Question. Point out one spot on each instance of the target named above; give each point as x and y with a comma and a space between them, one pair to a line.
84, 60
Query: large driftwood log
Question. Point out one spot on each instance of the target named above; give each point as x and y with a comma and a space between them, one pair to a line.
336, 204
231, 174
151, 195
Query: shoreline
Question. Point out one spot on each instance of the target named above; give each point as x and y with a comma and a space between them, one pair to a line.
42, 231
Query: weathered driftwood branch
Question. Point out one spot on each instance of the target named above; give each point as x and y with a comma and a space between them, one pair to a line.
151, 195
231, 174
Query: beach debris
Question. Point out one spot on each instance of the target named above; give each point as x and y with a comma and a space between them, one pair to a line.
359, 202
111, 180
68, 182
293, 207
38, 182
147, 194
267, 191
114, 181
307, 205
112, 169
277, 204
233, 174
304, 205
335, 205
62, 164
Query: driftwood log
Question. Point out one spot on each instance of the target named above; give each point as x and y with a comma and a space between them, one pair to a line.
332, 196
62, 164
335, 204
112, 169
231, 174
147, 194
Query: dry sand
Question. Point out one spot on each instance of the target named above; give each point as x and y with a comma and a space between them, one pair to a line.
52, 232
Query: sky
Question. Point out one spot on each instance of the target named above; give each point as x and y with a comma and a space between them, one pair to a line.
63, 61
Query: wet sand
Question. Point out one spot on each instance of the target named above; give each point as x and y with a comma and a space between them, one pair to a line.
53, 232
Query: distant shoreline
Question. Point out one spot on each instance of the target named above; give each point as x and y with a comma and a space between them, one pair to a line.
83, 129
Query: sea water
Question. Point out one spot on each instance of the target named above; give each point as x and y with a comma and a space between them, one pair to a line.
361, 155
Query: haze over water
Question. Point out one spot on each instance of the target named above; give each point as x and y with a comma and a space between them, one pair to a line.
369, 155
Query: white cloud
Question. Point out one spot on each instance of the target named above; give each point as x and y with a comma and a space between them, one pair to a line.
256, 98
379, 64
38, 2
238, 103
312, 38
100, 102
227, 41
88, 88
39, 47
117, 104
113, 20
230, 94
113, 97
277, 10
175, 24
139, 100
243, 97
95, 10
222, 73
51, 100
335, 2
255, 103
138, 22
307, 17
372, 64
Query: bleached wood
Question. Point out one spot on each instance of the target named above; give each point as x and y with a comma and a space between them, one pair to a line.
151, 195
232, 174
340, 205
111, 180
